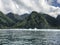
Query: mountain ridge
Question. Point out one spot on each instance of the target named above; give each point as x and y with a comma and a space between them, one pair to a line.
26, 21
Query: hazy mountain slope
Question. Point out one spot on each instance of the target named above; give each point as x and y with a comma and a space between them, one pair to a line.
51, 20
16, 17
13, 16
58, 20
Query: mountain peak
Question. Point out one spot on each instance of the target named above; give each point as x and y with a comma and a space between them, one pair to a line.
33, 20
34, 12
10, 13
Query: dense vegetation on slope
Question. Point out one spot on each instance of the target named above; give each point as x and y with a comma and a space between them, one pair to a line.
34, 20
5, 21
26, 21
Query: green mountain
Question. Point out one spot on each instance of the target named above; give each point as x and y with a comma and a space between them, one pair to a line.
15, 17
5, 21
34, 20
26, 21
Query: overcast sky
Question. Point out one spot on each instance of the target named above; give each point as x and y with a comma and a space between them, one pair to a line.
51, 7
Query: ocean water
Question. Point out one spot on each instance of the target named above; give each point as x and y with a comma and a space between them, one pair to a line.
19, 37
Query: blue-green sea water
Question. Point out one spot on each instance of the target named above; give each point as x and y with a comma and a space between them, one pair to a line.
19, 37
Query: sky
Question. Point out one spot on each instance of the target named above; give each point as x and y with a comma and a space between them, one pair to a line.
51, 7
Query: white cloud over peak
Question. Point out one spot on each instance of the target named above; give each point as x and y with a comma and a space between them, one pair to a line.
27, 6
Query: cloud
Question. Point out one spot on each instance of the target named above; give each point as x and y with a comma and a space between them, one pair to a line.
27, 6
58, 1
54, 11
1, 6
